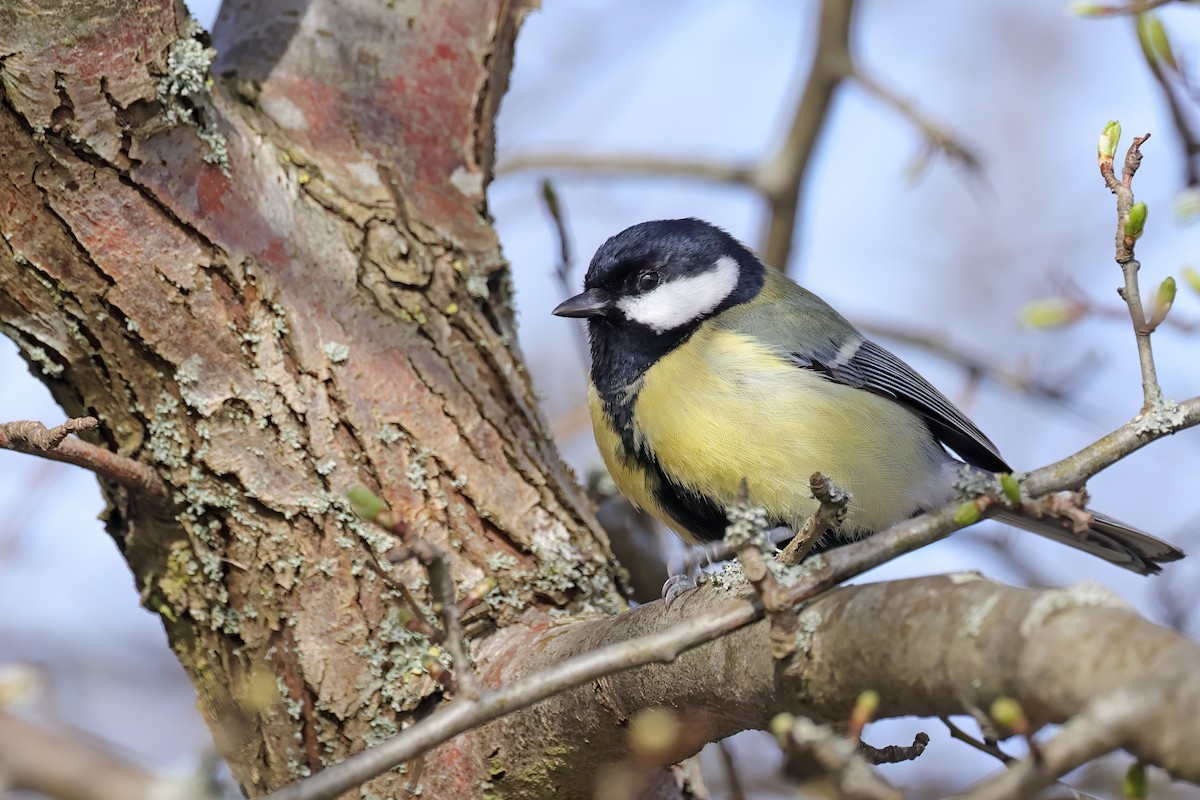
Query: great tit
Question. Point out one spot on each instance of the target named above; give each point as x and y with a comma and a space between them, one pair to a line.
709, 369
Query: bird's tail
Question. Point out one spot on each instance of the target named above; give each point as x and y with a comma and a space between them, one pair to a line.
1107, 538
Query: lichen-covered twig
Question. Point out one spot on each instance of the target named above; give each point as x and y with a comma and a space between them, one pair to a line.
446, 606
36, 439
828, 517
71, 768
746, 534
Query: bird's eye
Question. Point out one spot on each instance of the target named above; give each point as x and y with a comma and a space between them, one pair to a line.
648, 280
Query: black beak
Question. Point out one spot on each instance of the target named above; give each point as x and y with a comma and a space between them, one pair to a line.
591, 303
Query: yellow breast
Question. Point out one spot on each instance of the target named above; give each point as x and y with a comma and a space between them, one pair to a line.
722, 407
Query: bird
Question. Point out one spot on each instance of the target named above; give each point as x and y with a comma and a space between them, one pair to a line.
715, 379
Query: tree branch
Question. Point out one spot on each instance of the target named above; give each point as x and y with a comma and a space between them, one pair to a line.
1108, 722
66, 768
35, 439
1131, 218
586, 651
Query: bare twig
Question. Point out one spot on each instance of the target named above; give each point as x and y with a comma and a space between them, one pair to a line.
1100, 728
984, 747
732, 779
630, 165
894, 753
1135, 7
780, 178
936, 137
829, 516
35, 439
446, 606
1128, 231
68, 768
1145, 23
563, 270
463, 714
939, 345
814, 752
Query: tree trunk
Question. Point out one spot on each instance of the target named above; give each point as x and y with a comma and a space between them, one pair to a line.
270, 288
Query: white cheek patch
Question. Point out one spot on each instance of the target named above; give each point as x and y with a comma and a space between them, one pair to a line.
681, 301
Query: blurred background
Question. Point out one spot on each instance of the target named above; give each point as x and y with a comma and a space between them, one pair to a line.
944, 255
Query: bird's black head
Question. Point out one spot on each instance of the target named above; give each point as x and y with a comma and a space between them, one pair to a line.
649, 287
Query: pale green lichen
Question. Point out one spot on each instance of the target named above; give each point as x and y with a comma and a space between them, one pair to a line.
807, 624
389, 434
39, 356
976, 615
181, 91
416, 473
1080, 595
336, 351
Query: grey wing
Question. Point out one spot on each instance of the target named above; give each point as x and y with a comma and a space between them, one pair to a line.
871, 367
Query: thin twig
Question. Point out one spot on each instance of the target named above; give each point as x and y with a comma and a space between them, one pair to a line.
1130, 292
441, 583
980, 745
837, 566
781, 177
1100, 728
1136, 7
1179, 117
35, 439
630, 165
732, 780
817, 753
938, 344
446, 605
936, 136
67, 767
894, 753
828, 518
563, 270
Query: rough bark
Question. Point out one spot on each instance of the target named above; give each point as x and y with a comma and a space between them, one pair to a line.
272, 287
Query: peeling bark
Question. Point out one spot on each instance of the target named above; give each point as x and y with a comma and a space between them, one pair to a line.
272, 287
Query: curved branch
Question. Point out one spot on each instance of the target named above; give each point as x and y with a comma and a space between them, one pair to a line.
54, 444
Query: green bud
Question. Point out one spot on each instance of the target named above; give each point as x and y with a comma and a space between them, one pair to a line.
1136, 221
1152, 36
365, 503
1107, 146
1193, 278
781, 725
1050, 312
967, 514
867, 704
1187, 205
550, 196
1135, 786
1165, 297
1007, 712
1012, 489
1087, 10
